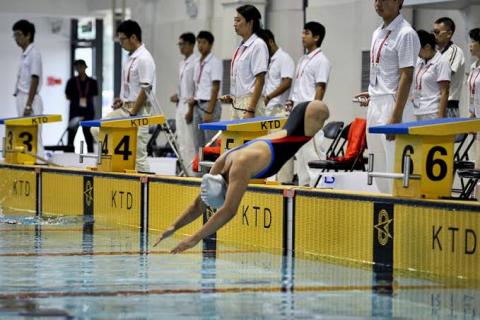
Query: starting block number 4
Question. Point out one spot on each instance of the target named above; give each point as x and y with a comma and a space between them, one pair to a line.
118, 149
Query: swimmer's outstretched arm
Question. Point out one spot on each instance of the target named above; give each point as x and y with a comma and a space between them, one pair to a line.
194, 210
238, 182
189, 215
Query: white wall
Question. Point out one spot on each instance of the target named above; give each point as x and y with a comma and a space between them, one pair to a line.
55, 50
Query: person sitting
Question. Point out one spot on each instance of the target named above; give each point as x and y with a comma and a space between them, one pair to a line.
224, 186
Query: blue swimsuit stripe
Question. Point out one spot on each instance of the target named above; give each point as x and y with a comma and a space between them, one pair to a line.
270, 145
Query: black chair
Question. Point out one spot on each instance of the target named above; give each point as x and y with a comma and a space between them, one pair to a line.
153, 148
461, 160
473, 176
332, 131
332, 162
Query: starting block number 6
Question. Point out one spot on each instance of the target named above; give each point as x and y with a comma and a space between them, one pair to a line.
432, 159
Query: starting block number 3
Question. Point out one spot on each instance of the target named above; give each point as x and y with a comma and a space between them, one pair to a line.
25, 137
20, 139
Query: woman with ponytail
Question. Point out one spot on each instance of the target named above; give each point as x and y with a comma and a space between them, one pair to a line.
249, 65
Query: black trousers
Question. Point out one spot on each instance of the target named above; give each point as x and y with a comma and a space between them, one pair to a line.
87, 114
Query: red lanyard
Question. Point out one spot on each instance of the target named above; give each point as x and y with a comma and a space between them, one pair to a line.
239, 56
130, 69
379, 52
472, 84
300, 72
420, 75
87, 86
202, 64
183, 69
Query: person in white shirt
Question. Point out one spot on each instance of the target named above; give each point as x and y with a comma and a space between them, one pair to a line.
474, 90
249, 65
277, 89
207, 76
393, 56
443, 29
185, 90
432, 80
311, 79
29, 77
138, 72
278, 79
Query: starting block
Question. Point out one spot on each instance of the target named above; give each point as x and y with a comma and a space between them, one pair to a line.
21, 137
238, 132
117, 141
424, 154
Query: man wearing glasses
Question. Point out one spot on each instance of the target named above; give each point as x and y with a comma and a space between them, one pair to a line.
137, 72
443, 29
29, 77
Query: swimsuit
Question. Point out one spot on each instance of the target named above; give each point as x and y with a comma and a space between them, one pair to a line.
282, 149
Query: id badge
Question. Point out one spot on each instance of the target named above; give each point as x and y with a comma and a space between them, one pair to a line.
373, 75
83, 102
233, 83
126, 91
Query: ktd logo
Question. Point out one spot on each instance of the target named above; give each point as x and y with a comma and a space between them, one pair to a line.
139, 122
122, 199
21, 188
454, 238
271, 124
39, 120
255, 211
383, 227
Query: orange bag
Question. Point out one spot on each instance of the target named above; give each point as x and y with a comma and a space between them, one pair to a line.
356, 140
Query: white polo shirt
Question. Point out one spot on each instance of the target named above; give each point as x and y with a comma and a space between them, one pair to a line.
394, 47
281, 66
30, 64
186, 84
454, 55
139, 68
206, 71
474, 88
427, 76
249, 60
312, 68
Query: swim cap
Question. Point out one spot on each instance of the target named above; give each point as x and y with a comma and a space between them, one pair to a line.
213, 190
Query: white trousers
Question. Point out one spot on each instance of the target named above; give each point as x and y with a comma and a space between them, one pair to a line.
185, 137
143, 136
37, 107
379, 112
243, 102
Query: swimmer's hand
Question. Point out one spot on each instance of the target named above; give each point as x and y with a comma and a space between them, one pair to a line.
167, 233
185, 244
